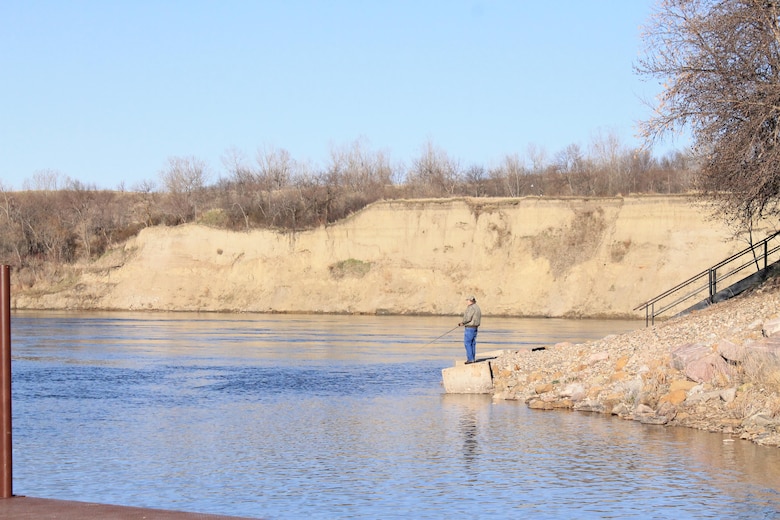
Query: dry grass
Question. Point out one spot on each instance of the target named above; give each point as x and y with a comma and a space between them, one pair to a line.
761, 368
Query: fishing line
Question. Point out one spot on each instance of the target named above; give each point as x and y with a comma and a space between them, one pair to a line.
436, 339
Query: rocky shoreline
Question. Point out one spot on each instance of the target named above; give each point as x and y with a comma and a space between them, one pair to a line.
717, 370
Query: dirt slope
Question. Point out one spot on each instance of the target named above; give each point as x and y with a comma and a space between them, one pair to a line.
521, 257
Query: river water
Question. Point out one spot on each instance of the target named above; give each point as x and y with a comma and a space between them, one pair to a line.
279, 416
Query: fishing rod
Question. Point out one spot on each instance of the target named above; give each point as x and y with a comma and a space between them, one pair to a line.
436, 339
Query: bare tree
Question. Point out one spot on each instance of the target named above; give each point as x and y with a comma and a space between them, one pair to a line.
433, 173
243, 191
538, 157
147, 210
81, 203
276, 168
276, 173
360, 170
572, 165
607, 154
474, 177
719, 61
45, 226
641, 168
184, 178
11, 231
236, 163
44, 180
513, 175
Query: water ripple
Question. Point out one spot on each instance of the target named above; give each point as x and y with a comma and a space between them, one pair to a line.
287, 420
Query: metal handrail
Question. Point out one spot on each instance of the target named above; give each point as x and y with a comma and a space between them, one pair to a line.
712, 282
713, 279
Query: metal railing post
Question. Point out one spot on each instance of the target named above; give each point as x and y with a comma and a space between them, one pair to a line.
6, 476
766, 253
712, 283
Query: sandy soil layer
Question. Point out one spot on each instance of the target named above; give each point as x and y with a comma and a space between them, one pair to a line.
521, 257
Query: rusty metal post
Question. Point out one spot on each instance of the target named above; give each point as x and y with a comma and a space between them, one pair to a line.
6, 478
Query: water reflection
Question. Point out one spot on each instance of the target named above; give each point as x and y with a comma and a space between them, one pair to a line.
340, 417
466, 410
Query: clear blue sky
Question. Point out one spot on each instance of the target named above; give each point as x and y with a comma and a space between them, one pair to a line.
105, 91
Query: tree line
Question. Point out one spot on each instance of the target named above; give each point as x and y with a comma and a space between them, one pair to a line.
57, 220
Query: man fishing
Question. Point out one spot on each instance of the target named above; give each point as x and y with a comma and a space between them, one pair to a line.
471, 321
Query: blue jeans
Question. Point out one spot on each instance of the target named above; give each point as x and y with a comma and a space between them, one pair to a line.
470, 342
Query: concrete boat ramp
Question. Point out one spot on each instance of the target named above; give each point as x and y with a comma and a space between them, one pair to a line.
474, 378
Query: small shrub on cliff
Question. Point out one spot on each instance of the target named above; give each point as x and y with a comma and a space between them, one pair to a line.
215, 218
349, 268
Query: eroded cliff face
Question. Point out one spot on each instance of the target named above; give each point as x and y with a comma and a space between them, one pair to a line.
575, 257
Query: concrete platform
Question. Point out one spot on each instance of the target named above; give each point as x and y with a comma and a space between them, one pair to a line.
474, 378
27, 508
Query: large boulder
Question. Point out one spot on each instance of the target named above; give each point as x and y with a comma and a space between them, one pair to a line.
700, 363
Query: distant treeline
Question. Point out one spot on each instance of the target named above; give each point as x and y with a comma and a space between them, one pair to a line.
56, 220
